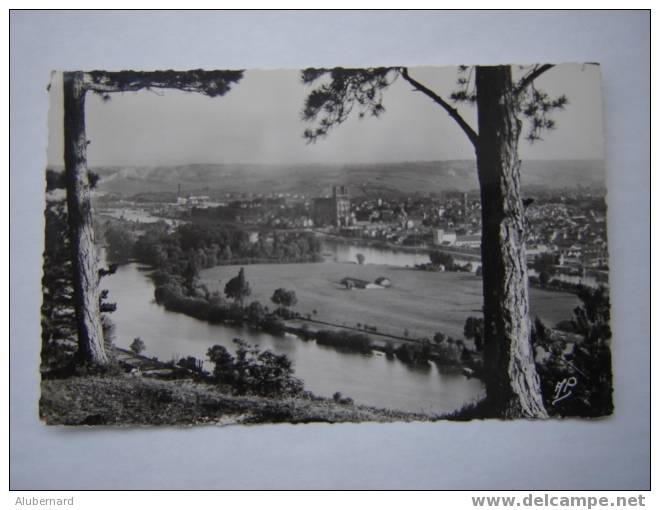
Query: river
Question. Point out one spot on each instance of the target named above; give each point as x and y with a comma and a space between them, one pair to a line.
368, 379
341, 252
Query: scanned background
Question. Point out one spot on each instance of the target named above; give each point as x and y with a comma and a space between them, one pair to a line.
608, 454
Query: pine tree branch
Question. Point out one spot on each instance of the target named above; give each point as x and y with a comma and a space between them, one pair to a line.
529, 78
210, 83
453, 112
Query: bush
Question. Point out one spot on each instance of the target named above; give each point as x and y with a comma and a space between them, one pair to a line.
284, 298
449, 352
256, 312
439, 258
191, 363
137, 346
223, 370
347, 340
337, 397
253, 371
416, 355
474, 328
273, 325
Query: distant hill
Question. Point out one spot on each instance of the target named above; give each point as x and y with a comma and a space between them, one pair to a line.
317, 180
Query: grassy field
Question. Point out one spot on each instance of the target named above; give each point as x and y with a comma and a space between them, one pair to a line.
421, 302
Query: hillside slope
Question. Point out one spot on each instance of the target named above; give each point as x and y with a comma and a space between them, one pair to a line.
317, 180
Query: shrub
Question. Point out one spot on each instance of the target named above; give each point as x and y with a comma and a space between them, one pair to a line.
191, 363
137, 346
439, 258
347, 340
223, 370
449, 352
474, 328
337, 397
417, 355
254, 371
256, 312
273, 325
284, 298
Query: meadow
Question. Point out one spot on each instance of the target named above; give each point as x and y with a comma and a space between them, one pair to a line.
420, 302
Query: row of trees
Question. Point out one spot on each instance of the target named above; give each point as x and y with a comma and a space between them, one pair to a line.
205, 246
544, 281
176, 293
238, 288
249, 370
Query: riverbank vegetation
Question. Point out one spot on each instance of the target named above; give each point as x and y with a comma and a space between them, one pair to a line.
204, 245
543, 281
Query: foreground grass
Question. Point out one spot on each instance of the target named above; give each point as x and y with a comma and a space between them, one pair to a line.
129, 400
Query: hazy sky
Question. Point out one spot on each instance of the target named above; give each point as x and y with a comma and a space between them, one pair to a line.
258, 121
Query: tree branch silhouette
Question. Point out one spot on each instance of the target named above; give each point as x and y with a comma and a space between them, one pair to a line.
529, 78
453, 112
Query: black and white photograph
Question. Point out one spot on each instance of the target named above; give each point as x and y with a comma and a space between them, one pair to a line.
343, 250
381, 244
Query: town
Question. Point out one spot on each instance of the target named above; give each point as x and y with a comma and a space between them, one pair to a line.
566, 237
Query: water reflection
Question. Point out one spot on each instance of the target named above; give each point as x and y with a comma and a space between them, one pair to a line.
340, 252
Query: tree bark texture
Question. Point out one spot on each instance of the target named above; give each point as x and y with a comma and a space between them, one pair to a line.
512, 384
85, 271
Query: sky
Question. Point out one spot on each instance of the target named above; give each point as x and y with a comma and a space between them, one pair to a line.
259, 122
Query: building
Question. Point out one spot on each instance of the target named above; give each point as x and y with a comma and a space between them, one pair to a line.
335, 211
356, 283
440, 236
469, 241
342, 203
190, 200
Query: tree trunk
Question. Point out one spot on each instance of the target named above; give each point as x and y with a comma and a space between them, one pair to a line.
512, 384
83, 251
